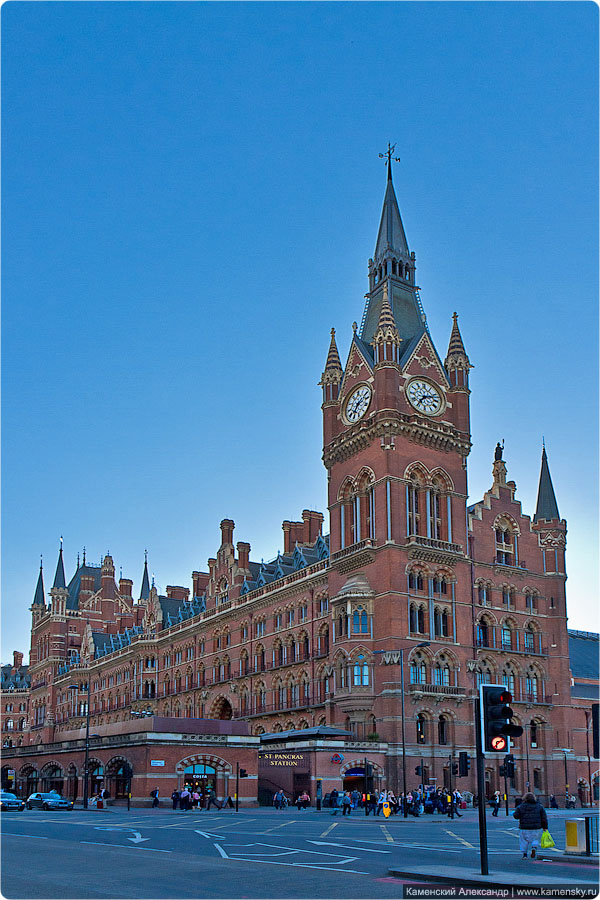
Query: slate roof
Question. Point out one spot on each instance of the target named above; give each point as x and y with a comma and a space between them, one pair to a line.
585, 691
583, 654
11, 679
74, 586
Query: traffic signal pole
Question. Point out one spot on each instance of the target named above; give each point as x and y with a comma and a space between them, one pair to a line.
483, 849
506, 791
237, 787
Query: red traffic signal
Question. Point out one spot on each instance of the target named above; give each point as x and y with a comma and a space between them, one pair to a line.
496, 714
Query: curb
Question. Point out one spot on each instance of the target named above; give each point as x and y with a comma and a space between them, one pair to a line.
493, 881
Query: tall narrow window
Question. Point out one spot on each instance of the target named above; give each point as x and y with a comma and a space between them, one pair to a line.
421, 729
533, 729
442, 730
413, 507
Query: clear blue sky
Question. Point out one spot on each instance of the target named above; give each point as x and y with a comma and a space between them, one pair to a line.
191, 192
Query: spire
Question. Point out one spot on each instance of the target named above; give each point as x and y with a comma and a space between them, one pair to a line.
59, 578
387, 332
39, 596
456, 346
547, 507
332, 376
145, 591
393, 263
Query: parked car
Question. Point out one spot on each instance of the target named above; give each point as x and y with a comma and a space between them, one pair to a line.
48, 801
11, 801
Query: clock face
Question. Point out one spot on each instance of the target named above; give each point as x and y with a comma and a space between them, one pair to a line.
424, 397
358, 403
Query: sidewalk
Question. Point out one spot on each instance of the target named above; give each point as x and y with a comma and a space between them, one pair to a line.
469, 876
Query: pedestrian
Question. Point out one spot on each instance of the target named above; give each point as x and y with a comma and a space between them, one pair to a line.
333, 799
278, 800
496, 803
393, 802
346, 804
355, 795
195, 799
553, 803
212, 799
154, 795
175, 798
380, 801
305, 800
185, 798
456, 799
532, 821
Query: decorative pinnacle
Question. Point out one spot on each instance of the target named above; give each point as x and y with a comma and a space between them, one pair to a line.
388, 155
354, 327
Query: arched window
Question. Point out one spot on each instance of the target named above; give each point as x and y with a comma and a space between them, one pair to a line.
533, 732
505, 542
484, 674
532, 685
360, 623
483, 633
414, 621
421, 729
413, 506
508, 678
506, 636
418, 670
529, 637
361, 671
529, 601
442, 730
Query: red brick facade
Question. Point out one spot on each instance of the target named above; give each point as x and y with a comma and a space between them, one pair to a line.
460, 594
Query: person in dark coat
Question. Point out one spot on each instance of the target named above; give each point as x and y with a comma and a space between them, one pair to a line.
175, 798
532, 821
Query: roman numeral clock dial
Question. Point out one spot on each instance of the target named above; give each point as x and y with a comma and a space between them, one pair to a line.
357, 403
425, 397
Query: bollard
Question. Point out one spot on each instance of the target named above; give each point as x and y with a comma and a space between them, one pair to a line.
575, 842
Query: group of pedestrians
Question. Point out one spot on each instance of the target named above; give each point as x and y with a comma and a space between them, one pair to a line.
186, 799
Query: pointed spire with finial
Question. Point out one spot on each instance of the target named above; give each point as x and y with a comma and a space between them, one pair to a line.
145, 591
386, 339
457, 362
59, 578
332, 376
39, 596
547, 507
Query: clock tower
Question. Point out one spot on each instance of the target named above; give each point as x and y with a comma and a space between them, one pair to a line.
396, 440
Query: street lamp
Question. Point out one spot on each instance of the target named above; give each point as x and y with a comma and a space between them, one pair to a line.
566, 750
405, 804
87, 740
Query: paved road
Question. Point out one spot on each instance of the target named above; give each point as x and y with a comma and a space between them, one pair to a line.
258, 853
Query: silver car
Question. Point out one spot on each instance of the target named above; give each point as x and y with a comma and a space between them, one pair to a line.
48, 801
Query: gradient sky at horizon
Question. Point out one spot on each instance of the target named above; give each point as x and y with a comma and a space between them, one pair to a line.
191, 192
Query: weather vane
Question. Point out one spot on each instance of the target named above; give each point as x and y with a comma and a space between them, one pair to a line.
388, 154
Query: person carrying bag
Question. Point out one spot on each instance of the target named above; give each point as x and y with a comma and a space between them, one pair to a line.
532, 820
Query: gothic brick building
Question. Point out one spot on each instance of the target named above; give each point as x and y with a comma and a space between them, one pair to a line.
315, 639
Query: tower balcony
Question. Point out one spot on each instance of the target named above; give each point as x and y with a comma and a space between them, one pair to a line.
441, 690
429, 543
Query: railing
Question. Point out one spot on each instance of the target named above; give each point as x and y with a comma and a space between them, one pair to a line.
449, 690
265, 708
367, 543
435, 543
488, 644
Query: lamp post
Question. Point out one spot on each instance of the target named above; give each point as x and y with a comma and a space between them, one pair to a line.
405, 804
87, 741
587, 747
566, 750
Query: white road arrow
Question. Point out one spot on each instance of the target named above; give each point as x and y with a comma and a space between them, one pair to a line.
348, 847
138, 838
207, 834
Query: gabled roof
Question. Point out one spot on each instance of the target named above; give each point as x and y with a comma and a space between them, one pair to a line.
74, 586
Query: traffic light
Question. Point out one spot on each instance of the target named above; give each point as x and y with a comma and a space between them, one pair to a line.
464, 764
243, 773
496, 715
419, 770
502, 771
595, 736
455, 767
509, 765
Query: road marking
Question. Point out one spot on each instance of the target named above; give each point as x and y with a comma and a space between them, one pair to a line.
283, 824
234, 823
124, 846
221, 851
388, 836
206, 834
15, 834
269, 862
327, 830
348, 847
458, 838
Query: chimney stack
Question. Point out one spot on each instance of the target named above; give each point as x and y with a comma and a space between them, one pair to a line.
243, 550
227, 526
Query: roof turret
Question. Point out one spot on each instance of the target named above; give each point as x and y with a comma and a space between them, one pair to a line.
59, 578
39, 596
547, 507
145, 591
333, 366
